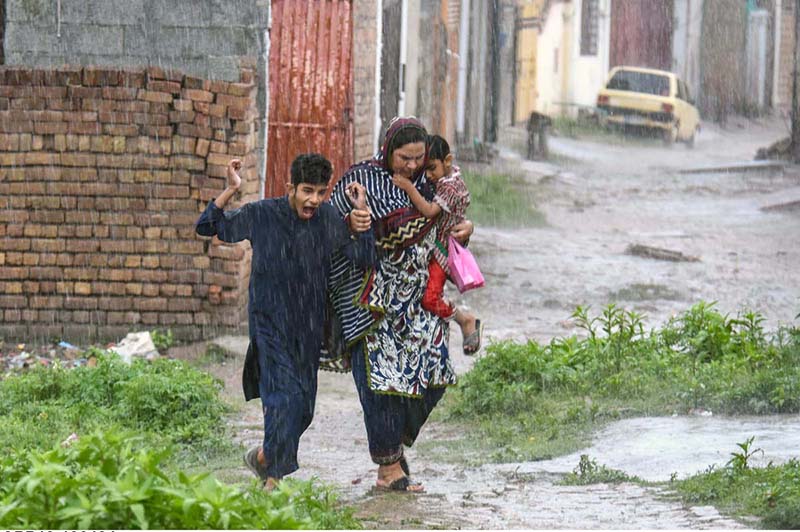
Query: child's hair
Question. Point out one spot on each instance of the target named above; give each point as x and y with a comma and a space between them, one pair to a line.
311, 168
438, 148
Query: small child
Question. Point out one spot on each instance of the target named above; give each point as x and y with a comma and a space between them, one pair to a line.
449, 205
293, 238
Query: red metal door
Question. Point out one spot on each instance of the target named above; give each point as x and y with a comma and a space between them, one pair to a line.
310, 87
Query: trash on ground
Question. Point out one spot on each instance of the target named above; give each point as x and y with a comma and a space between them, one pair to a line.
136, 344
649, 252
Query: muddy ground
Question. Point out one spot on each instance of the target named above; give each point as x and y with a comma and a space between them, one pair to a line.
598, 198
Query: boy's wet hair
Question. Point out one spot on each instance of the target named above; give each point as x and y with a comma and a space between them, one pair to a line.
311, 168
438, 148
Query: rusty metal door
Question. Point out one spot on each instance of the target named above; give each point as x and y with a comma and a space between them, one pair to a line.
641, 33
310, 87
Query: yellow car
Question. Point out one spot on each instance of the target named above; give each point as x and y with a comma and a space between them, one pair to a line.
651, 99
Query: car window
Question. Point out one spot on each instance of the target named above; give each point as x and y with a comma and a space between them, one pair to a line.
627, 80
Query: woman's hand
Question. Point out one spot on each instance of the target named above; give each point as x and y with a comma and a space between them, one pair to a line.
462, 231
357, 195
403, 183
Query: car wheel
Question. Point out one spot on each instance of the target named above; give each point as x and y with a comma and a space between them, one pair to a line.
671, 135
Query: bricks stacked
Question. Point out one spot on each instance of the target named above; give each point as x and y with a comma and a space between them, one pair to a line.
103, 173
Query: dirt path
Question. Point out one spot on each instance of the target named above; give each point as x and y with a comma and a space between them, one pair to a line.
599, 201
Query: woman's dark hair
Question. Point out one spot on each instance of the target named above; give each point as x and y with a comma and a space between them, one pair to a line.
311, 168
438, 148
406, 135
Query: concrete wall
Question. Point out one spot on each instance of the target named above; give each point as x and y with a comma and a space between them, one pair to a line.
506, 51
550, 64
785, 57
686, 42
723, 60
204, 38
479, 82
366, 120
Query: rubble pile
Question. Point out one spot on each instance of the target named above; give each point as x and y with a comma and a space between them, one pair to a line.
15, 358
20, 357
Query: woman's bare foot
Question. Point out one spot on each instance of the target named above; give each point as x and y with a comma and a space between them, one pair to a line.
392, 478
271, 483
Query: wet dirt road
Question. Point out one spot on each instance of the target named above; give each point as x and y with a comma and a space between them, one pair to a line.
597, 201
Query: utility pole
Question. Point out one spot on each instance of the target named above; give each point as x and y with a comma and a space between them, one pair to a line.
795, 145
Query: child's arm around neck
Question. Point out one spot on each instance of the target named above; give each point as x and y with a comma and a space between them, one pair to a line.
426, 208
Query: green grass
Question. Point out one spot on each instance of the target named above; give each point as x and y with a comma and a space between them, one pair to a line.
585, 127
167, 399
531, 401
116, 480
499, 200
770, 493
588, 471
143, 439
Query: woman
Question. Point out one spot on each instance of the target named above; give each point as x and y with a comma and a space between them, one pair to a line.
398, 351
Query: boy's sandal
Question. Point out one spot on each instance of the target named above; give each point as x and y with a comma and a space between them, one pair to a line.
403, 485
472, 343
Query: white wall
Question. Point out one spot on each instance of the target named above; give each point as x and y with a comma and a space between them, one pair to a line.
688, 16
588, 73
576, 81
549, 67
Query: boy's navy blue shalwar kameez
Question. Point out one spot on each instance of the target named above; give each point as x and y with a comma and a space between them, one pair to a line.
287, 309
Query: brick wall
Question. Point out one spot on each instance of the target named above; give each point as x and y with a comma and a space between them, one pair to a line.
102, 175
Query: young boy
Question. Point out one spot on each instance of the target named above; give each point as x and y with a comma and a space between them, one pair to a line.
449, 205
292, 238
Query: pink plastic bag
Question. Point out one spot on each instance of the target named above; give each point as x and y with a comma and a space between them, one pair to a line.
464, 270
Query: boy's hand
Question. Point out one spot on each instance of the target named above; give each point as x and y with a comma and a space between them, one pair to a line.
403, 183
357, 195
234, 180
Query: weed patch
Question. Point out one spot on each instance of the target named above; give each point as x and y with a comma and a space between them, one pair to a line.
501, 201
771, 493
528, 400
589, 472
165, 398
112, 480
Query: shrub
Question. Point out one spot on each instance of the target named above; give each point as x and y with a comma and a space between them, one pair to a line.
112, 480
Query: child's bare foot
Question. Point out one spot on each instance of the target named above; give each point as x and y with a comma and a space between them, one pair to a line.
471, 331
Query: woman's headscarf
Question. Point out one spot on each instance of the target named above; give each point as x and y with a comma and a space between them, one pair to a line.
396, 125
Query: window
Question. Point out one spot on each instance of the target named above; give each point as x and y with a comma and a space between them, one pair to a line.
628, 80
589, 27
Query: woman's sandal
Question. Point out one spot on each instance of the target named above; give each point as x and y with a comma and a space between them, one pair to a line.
404, 466
472, 343
402, 485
